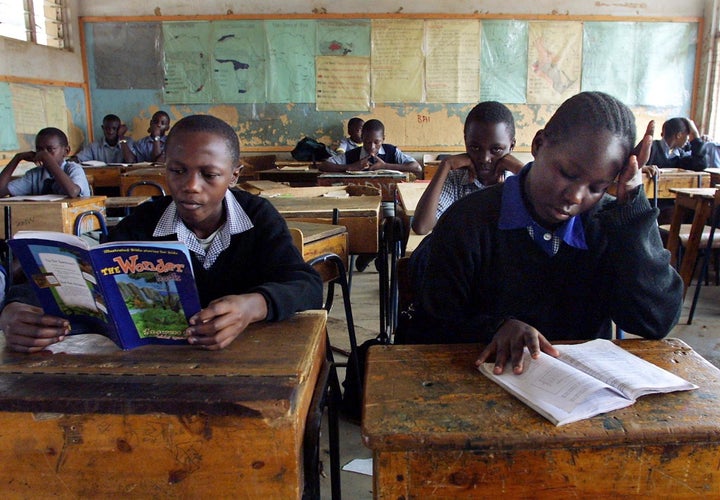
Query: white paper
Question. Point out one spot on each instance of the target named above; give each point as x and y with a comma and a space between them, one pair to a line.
360, 465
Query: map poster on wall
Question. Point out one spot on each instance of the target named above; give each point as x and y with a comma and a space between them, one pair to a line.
188, 70
503, 61
238, 62
452, 61
344, 38
343, 83
8, 134
554, 61
291, 61
397, 60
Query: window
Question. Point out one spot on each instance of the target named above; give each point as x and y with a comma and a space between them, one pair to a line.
38, 21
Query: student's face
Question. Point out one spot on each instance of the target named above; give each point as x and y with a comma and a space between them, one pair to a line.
486, 144
372, 141
51, 144
679, 140
110, 130
161, 121
355, 132
570, 177
199, 171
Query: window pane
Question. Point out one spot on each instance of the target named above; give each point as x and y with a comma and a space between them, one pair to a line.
13, 19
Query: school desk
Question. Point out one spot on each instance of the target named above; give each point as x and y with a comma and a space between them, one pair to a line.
700, 201
107, 176
714, 175
671, 178
409, 194
440, 429
294, 175
386, 182
430, 168
57, 215
91, 421
152, 174
359, 214
319, 239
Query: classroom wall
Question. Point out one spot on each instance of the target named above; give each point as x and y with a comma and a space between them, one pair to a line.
550, 7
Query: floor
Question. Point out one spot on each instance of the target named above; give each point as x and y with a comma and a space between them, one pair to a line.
702, 335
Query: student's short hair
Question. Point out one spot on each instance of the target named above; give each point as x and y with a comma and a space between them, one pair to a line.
491, 112
373, 125
595, 111
354, 122
111, 118
208, 124
53, 132
160, 113
675, 126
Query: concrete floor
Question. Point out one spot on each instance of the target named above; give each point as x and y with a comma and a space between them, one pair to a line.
703, 336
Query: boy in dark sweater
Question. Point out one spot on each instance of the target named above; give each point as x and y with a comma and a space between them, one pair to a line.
245, 264
548, 255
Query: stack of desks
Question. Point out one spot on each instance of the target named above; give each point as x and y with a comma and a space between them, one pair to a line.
165, 421
440, 429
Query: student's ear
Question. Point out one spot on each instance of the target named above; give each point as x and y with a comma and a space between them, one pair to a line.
537, 142
235, 174
512, 144
67, 150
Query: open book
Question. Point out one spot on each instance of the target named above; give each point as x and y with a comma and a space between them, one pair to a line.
587, 379
135, 293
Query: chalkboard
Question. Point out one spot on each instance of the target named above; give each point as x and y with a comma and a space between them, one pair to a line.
279, 80
27, 106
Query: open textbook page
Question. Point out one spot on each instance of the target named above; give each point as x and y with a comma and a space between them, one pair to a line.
586, 380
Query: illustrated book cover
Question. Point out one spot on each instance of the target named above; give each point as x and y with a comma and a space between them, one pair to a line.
135, 293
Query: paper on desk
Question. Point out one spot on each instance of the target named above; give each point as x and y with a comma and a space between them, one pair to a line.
360, 465
93, 163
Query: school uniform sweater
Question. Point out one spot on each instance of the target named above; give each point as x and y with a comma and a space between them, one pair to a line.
692, 157
478, 274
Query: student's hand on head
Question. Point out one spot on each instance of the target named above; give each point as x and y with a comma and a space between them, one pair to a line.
643, 148
508, 346
26, 156
122, 130
216, 326
28, 329
155, 130
694, 133
630, 176
42, 158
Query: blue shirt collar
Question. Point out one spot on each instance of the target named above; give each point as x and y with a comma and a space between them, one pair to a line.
514, 215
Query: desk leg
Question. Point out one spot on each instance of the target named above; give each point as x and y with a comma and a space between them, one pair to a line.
673, 242
702, 212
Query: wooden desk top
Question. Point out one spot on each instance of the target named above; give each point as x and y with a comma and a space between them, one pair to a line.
431, 397
410, 193
694, 192
315, 231
257, 375
353, 206
371, 174
125, 201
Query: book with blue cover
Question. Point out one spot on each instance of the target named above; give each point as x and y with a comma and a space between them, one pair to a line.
133, 292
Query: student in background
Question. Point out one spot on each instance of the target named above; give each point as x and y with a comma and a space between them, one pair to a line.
152, 147
354, 138
53, 174
489, 139
374, 155
681, 146
245, 264
112, 147
548, 255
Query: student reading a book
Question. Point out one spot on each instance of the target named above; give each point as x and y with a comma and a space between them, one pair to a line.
354, 138
53, 174
489, 139
112, 147
246, 266
548, 255
151, 148
374, 154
